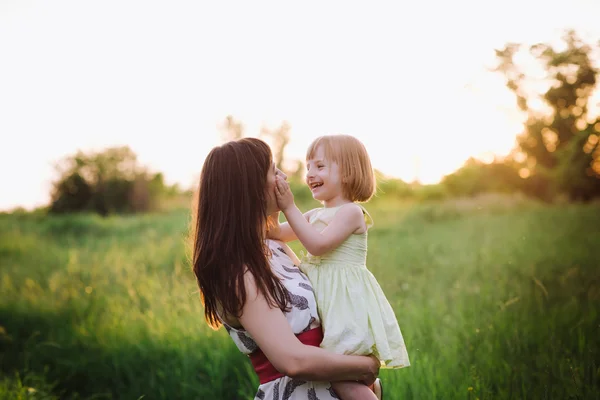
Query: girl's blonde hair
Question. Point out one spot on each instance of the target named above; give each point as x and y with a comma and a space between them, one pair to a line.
356, 172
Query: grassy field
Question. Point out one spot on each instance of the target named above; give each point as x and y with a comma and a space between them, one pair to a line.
497, 298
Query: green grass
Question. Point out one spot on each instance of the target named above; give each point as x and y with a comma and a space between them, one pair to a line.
496, 298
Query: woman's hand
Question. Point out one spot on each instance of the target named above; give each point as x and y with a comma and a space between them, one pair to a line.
285, 197
273, 334
374, 372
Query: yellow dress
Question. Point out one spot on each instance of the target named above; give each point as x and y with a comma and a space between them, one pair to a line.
355, 315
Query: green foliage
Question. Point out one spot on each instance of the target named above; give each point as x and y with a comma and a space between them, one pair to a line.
388, 189
393, 188
29, 386
110, 181
428, 193
495, 293
559, 141
574, 173
71, 193
477, 177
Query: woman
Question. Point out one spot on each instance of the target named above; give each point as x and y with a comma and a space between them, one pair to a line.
250, 284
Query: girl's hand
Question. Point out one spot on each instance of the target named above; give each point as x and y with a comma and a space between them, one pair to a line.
285, 197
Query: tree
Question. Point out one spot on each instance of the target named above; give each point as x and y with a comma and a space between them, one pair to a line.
106, 182
476, 177
279, 139
71, 192
560, 137
231, 129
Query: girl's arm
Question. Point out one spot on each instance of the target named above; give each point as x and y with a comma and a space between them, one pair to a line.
347, 220
283, 231
273, 335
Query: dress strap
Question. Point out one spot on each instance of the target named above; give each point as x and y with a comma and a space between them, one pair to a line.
368, 219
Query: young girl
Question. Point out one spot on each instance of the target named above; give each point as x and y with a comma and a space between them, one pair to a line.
355, 314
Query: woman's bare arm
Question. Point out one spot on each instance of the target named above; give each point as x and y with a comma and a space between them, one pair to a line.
272, 333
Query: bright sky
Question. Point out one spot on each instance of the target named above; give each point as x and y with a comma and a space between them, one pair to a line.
408, 79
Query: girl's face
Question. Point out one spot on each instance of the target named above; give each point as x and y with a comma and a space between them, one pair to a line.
323, 178
272, 206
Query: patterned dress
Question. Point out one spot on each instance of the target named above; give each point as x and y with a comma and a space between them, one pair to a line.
302, 317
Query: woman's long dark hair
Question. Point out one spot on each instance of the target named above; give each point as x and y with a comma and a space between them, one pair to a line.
228, 229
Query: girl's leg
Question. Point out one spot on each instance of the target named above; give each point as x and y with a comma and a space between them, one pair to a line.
350, 390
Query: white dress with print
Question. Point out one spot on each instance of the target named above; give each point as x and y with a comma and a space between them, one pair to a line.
302, 317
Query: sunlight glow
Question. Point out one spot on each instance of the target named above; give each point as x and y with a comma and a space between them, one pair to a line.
412, 84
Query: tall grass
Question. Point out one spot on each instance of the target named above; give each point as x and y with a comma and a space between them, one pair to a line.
496, 298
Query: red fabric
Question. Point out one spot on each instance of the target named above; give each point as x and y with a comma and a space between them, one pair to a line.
266, 371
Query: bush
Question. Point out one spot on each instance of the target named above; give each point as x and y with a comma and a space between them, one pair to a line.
106, 182
476, 177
